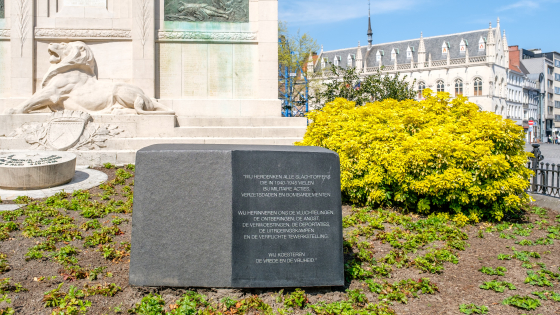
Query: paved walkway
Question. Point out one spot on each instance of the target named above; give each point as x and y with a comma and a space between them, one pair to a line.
551, 152
84, 179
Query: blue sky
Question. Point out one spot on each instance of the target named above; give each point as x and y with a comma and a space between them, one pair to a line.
340, 24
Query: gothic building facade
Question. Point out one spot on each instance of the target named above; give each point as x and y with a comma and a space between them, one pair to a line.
474, 64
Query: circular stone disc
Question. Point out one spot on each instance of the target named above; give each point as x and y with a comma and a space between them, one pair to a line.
36, 170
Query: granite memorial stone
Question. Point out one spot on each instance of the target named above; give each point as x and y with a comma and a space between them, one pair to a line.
237, 216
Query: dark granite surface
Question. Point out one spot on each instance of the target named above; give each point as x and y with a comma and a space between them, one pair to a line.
237, 216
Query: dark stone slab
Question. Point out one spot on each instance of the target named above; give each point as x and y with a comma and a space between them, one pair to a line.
237, 216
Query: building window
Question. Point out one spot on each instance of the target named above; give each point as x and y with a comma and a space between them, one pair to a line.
458, 87
477, 87
421, 88
463, 46
550, 70
350, 60
557, 63
440, 86
557, 104
394, 53
337, 60
444, 48
482, 44
556, 118
557, 91
378, 55
557, 76
409, 51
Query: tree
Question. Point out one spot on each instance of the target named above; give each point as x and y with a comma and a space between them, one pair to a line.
294, 49
348, 84
293, 52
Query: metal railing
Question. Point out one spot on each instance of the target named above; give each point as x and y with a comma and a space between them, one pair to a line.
546, 180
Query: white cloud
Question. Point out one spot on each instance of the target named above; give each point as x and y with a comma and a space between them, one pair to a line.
523, 4
329, 11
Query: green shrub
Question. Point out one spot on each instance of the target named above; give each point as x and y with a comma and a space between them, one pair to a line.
433, 155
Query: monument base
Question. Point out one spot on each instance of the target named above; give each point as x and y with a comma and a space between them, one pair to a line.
116, 139
237, 217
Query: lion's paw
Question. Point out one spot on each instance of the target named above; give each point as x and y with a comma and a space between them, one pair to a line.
10, 111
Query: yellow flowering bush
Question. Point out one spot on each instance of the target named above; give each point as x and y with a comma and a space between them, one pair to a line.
434, 155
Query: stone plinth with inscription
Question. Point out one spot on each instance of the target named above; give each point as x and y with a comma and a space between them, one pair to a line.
36, 170
237, 216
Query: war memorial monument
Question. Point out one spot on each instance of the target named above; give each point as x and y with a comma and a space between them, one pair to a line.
187, 90
105, 78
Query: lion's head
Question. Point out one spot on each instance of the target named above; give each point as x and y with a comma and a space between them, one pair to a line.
69, 56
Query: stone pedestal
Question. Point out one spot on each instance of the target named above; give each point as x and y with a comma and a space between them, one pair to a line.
237, 216
36, 170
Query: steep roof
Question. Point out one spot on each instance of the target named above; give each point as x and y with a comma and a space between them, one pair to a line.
433, 46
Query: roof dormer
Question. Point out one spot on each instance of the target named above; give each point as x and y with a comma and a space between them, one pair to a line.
409, 52
463, 46
482, 44
337, 60
394, 53
445, 48
378, 55
351, 58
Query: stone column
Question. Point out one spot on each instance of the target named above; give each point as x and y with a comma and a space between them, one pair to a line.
22, 48
268, 47
143, 43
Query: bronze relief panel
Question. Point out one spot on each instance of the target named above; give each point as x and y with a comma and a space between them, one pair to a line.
229, 11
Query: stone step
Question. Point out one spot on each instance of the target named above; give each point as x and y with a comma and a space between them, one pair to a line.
139, 143
242, 121
133, 144
240, 132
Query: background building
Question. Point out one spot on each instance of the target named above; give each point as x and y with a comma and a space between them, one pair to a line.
474, 64
545, 69
523, 91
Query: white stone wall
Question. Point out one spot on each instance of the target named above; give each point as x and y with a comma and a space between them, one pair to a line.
230, 72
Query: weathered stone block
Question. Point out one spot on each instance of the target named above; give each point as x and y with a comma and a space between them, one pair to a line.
237, 216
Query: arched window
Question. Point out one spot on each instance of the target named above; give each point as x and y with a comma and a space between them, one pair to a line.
440, 86
477, 87
421, 88
458, 87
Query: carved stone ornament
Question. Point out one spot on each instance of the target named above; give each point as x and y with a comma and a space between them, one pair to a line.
219, 36
62, 89
4, 33
66, 130
67, 33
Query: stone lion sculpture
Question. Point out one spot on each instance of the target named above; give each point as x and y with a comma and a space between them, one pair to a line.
71, 84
